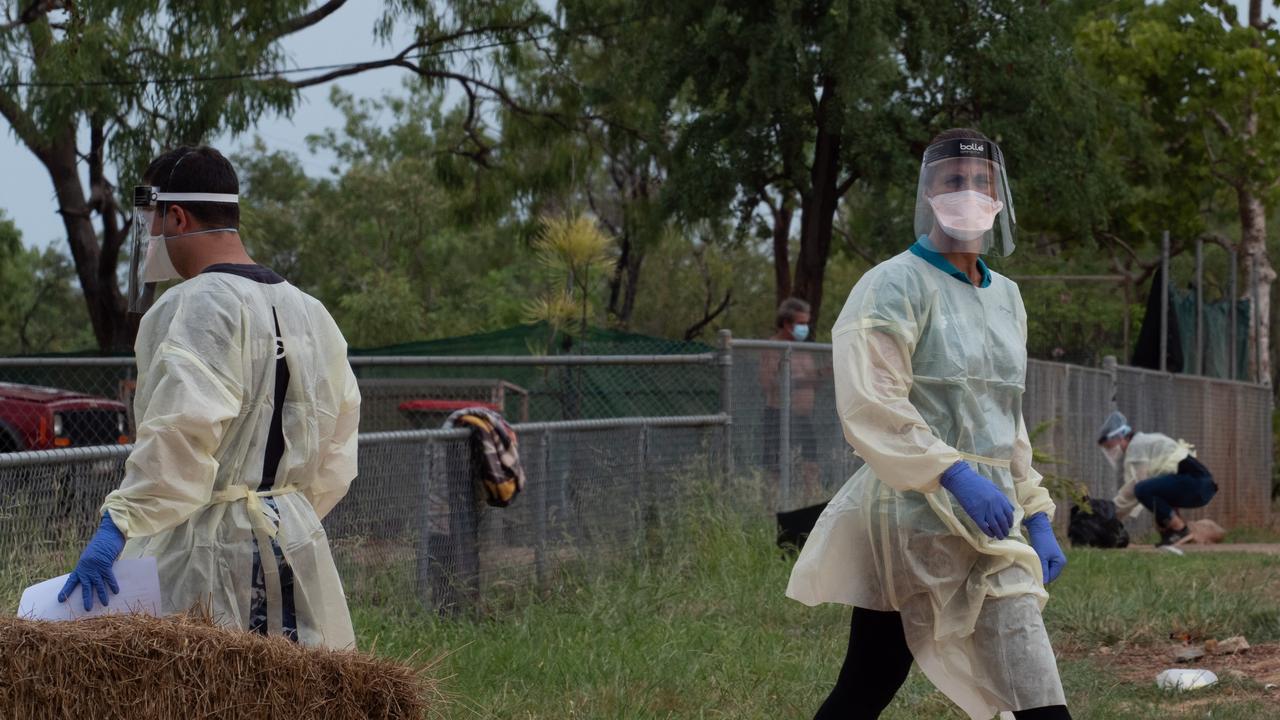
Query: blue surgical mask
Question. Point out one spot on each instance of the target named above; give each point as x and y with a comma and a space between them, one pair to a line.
800, 332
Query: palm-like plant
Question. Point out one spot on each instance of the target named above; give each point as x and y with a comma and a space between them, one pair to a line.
578, 256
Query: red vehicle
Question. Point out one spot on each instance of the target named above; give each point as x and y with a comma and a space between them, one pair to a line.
43, 418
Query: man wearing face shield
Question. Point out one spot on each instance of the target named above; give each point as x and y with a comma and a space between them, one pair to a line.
247, 415
942, 541
1160, 474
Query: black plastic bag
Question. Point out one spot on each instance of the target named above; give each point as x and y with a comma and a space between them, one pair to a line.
794, 526
1099, 528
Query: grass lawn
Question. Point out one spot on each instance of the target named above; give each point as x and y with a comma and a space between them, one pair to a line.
702, 630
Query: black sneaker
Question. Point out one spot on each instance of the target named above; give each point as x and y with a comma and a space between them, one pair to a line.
1169, 537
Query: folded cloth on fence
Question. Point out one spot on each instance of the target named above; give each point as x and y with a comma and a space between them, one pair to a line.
494, 452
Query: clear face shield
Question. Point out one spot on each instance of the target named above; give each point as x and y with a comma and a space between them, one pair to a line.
1114, 453
1111, 437
963, 202
149, 261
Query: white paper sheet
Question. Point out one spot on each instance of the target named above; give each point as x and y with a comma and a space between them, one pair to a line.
139, 593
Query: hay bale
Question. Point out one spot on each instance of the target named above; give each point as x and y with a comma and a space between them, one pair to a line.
144, 667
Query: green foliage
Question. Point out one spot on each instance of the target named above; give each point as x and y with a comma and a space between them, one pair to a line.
97, 87
690, 273
40, 309
1203, 89
405, 243
577, 256
396, 253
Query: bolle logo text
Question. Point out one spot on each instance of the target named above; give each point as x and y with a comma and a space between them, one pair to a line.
973, 147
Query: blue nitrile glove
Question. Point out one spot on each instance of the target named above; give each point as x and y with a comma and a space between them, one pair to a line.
1040, 534
93, 572
979, 497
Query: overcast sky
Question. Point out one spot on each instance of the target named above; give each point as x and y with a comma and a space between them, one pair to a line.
26, 195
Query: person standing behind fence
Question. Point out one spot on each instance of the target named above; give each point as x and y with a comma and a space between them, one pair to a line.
942, 541
247, 413
792, 325
1160, 474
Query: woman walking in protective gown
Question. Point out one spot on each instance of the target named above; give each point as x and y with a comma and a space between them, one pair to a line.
942, 541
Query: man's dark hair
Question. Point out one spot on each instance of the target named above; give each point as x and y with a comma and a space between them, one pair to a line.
788, 310
198, 169
959, 134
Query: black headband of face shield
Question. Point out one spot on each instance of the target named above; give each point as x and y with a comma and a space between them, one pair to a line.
964, 148
144, 196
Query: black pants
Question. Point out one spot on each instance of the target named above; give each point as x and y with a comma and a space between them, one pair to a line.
877, 665
1192, 486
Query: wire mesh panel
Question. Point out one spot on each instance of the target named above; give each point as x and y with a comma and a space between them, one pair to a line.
804, 460
48, 403
1063, 406
821, 460
423, 403
1229, 423
756, 384
49, 503
642, 438
382, 534
785, 424
413, 531
538, 389
57, 403
1254, 453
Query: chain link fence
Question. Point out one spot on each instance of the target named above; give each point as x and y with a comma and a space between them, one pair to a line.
609, 444
1228, 422
48, 403
412, 529
805, 459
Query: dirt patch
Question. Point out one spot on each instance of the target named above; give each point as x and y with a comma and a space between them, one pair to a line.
1254, 548
1260, 664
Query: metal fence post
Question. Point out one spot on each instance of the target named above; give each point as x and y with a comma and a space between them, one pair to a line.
1255, 318
649, 500
1164, 302
1110, 366
464, 531
784, 429
1112, 369
726, 399
1206, 417
1199, 368
1231, 351
426, 565
1268, 458
540, 513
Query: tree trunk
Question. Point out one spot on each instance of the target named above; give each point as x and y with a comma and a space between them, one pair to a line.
101, 294
818, 208
618, 279
624, 283
1253, 241
782, 249
633, 283
1253, 234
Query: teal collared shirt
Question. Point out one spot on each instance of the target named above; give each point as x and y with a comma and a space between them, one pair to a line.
942, 263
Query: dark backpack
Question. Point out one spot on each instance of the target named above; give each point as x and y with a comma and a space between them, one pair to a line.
1099, 528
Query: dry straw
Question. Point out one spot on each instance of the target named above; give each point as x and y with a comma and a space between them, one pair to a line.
140, 667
